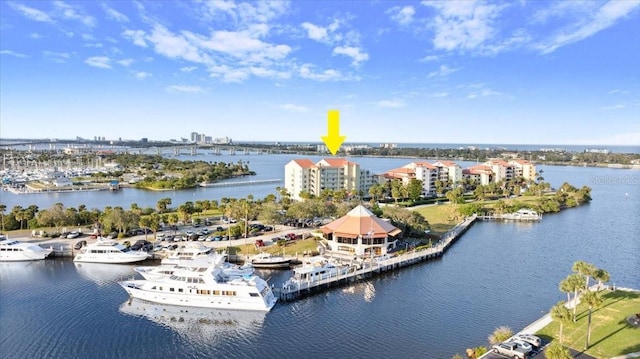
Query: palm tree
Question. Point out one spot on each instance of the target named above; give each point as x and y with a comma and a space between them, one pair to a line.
576, 283
3, 208
592, 300
562, 315
500, 334
585, 269
557, 351
565, 287
602, 276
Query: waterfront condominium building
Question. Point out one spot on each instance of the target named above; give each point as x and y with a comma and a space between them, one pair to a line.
449, 172
502, 170
302, 175
524, 169
423, 171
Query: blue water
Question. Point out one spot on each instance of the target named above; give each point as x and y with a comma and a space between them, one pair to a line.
497, 274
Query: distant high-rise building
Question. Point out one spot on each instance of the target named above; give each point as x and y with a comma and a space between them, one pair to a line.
194, 137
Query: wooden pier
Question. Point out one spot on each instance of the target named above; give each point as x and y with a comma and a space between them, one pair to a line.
364, 268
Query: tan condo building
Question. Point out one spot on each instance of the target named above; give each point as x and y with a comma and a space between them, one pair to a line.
302, 175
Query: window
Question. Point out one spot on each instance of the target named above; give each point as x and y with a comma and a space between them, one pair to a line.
171, 290
254, 294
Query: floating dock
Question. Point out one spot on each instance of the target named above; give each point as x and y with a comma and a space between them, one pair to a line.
364, 268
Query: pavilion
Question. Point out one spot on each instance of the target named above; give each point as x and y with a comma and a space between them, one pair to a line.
360, 233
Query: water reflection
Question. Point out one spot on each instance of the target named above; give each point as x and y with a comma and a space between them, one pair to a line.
105, 274
366, 289
19, 271
202, 325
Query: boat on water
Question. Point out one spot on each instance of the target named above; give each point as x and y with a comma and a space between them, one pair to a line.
268, 260
523, 215
12, 250
199, 265
186, 253
205, 289
313, 271
109, 251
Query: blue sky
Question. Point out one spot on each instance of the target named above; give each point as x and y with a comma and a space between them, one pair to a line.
518, 72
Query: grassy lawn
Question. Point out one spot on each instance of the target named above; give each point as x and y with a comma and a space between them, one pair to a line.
611, 335
440, 217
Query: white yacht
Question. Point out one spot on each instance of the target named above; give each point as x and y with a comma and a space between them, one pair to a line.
186, 253
109, 251
267, 260
315, 270
12, 250
201, 264
206, 289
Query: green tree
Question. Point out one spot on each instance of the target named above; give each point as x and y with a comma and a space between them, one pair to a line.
270, 214
576, 283
3, 208
602, 276
593, 300
414, 189
163, 204
585, 269
500, 334
145, 223
561, 314
556, 351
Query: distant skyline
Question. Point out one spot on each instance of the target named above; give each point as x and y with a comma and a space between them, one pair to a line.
483, 72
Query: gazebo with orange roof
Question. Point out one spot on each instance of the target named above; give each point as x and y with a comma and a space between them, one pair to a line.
360, 233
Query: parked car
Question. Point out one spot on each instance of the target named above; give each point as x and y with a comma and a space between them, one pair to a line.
80, 244
531, 339
73, 235
259, 243
142, 244
511, 349
290, 236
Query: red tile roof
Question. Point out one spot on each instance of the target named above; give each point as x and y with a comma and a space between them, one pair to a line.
304, 163
360, 222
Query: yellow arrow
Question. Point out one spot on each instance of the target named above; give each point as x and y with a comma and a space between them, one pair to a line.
333, 139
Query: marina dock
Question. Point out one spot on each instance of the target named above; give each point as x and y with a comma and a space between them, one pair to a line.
365, 268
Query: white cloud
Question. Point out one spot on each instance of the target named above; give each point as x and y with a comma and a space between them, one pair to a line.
315, 32
114, 14
98, 61
35, 36
31, 13
483, 92
67, 11
595, 20
294, 108
137, 36
142, 75
12, 53
402, 15
125, 62
94, 45
188, 68
306, 72
325, 34
444, 70
439, 94
391, 103
353, 52
245, 13
59, 57
430, 58
463, 25
184, 89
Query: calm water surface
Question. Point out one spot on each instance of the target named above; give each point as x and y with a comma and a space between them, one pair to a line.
497, 274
